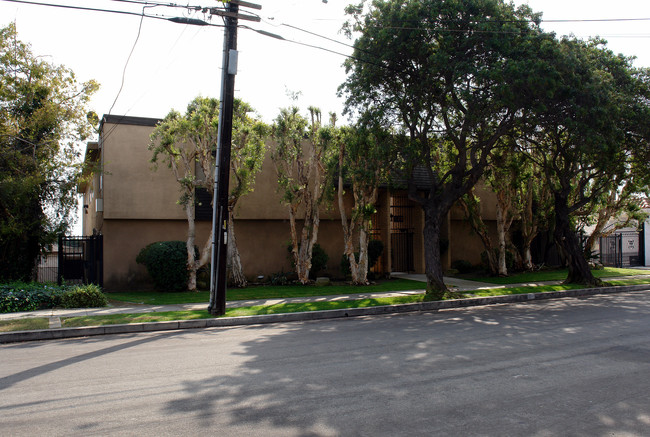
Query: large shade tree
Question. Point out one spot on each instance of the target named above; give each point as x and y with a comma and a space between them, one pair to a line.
589, 137
43, 119
454, 75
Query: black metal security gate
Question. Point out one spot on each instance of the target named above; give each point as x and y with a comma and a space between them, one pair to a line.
622, 249
81, 260
402, 230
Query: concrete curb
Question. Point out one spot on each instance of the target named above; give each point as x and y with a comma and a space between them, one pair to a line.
60, 333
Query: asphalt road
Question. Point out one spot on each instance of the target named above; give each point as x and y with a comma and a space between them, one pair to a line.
570, 367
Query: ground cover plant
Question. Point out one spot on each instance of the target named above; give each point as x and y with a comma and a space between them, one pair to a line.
21, 296
264, 292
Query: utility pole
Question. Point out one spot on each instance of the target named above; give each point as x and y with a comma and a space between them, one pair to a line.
217, 305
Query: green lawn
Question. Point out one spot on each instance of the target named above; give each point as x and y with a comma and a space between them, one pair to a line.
523, 290
263, 292
234, 312
554, 275
24, 324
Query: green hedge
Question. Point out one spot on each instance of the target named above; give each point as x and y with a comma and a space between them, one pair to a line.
166, 263
21, 296
87, 296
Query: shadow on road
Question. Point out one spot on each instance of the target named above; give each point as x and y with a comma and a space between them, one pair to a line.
8, 381
566, 367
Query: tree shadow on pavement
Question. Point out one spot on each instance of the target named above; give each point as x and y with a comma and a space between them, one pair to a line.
541, 368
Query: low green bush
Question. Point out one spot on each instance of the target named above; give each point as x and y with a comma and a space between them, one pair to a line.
279, 278
462, 266
166, 263
319, 260
84, 296
21, 296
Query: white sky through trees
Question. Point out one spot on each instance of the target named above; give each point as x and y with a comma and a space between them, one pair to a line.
173, 63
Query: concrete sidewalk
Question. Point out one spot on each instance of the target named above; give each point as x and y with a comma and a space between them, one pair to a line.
454, 283
461, 285
137, 308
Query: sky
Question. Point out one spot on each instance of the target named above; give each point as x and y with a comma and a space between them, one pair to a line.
146, 69
173, 63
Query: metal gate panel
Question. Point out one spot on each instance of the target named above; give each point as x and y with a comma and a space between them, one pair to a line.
81, 260
402, 231
622, 249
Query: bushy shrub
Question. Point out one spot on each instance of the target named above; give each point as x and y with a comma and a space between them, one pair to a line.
84, 296
375, 249
166, 263
279, 278
319, 260
20, 296
462, 266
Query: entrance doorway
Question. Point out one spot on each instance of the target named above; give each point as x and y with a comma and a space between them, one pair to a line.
402, 231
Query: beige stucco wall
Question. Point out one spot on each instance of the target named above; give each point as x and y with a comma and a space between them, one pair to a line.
140, 208
123, 240
465, 244
131, 189
262, 245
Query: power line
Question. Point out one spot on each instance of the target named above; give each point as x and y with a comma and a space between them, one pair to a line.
149, 3
281, 38
128, 59
112, 11
596, 20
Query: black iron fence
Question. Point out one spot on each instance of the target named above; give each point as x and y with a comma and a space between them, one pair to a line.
80, 260
402, 231
623, 249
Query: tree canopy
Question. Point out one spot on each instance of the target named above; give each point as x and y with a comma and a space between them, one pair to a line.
453, 75
588, 137
187, 143
43, 118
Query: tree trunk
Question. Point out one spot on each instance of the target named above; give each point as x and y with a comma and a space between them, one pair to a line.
501, 233
191, 238
473, 213
235, 268
348, 228
436, 287
567, 240
362, 266
528, 257
529, 222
